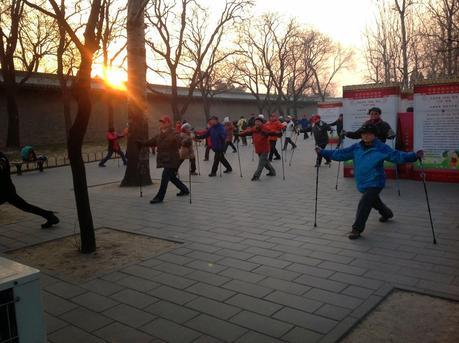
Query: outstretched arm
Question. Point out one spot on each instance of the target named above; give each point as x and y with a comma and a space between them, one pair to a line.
399, 157
338, 154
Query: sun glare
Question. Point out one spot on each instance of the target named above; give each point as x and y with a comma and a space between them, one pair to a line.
113, 77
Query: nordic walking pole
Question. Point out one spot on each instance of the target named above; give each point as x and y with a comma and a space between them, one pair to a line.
282, 158
197, 157
253, 151
397, 180
340, 142
317, 191
239, 157
189, 177
423, 174
293, 151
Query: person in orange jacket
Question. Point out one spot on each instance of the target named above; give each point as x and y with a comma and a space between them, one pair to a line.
273, 125
260, 135
113, 147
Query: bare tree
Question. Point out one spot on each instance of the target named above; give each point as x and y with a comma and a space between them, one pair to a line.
24, 40
176, 26
81, 90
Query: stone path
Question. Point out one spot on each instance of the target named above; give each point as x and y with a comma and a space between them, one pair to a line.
252, 267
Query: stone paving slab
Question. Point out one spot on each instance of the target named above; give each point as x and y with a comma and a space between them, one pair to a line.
252, 268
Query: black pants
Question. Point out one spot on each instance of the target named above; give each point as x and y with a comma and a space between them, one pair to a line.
206, 155
169, 174
319, 157
14, 199
288, 140
109, 155
273, 150
219, 157
370, 199
231, 145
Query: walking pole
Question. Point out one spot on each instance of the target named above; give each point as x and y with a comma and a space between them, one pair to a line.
293, 150
423, 174
282, 157
239, 157
197, 157
253, 151
340, 142
317, 191
189, 177
397, 180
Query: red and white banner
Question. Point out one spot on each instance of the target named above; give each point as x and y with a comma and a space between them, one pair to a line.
357, 100
436, 129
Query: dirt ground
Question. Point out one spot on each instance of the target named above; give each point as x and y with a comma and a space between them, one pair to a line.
114, 249
409, 317
10, 214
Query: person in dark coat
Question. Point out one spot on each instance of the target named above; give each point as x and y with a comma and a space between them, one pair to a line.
304, 126
319, 130
339, 128
167, 143
383, 129
8, 194
217, 134
368, 157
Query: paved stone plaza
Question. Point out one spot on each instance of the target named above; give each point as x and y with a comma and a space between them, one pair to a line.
251, 267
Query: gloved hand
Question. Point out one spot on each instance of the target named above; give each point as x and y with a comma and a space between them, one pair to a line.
318, 150
420, 154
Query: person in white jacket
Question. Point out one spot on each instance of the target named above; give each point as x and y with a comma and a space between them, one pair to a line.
289, 130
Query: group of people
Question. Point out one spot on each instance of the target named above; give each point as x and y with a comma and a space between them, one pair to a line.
175, 145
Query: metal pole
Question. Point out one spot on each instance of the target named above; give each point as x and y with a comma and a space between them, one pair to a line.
397, 180
282, 158
189, 177
317, 191
293, 151
197, 157
427, 200
239, 157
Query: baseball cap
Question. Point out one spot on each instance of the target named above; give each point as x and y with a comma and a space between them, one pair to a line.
368, 128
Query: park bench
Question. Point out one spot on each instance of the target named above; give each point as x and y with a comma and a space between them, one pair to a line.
18, 165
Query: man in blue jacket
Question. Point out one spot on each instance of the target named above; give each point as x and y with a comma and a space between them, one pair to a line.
217, 134
368, 157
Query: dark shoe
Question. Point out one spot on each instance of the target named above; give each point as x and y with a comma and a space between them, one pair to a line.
354, 234
271, 174
51, 220
255, 178
316, 165
384, 219
212, 175
227, 171
234, 151
277, 158
102, 165
328, 163
155, 201
182, 193
194, 173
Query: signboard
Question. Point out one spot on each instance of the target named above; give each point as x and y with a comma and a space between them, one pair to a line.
329, 112
357, 100
436, 129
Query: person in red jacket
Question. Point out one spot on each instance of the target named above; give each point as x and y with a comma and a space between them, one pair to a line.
273, 125
113, 147
260, 135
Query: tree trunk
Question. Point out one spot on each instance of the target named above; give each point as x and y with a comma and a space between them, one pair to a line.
66, 101
138, 169
110, 108
13, 138
81, 90
174, 98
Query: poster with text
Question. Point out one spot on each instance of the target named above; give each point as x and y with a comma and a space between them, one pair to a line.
436, 129
329, 113
357, 100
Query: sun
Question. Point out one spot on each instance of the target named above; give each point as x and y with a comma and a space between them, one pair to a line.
113, 77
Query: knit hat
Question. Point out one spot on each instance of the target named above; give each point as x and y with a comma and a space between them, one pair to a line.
368, 128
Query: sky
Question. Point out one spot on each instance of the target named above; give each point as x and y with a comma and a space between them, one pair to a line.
343, 20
